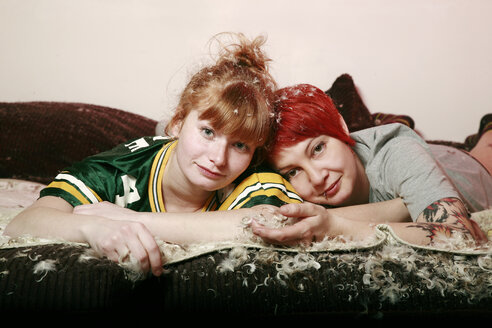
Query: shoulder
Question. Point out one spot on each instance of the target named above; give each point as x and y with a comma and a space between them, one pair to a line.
386, 140
105, 175
260, 185
137, 145
384, 133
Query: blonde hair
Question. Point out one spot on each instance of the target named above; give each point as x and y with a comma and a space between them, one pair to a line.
235, 94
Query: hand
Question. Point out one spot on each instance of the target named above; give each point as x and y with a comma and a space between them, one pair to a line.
314, 223
118, 239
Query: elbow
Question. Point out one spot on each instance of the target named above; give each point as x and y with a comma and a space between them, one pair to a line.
13, 228
477, 233
19, 225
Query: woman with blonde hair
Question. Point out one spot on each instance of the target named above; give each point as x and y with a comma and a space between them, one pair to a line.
168, 187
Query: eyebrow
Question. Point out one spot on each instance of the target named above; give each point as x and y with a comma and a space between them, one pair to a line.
283, 168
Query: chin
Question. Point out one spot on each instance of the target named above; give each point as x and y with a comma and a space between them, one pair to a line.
336, 201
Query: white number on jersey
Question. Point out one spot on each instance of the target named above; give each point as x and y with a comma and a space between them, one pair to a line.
130, 191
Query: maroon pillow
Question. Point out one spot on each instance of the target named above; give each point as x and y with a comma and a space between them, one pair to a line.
38, 139
350, 105
357, 116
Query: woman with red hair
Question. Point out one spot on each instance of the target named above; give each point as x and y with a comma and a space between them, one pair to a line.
386, 174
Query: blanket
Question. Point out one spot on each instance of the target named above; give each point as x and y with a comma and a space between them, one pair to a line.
375, 273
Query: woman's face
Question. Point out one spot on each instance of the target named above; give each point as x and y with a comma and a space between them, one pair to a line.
209, 159
322, 170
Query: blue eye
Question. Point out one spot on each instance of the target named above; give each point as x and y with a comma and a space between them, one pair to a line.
207, 132
241, 146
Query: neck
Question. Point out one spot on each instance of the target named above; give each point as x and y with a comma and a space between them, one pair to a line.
180, 195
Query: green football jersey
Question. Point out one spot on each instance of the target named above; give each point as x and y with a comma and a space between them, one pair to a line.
130, 175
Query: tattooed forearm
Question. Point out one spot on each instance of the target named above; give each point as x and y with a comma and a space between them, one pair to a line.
445, 217
445, 209
438, 231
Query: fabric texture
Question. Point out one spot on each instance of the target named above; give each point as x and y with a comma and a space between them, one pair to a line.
346, 98
40, 138
399, 163
131, 174
468, 176
341, 285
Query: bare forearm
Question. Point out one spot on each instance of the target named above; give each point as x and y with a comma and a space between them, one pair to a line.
46, 222
381, 212
182, 227
190, 228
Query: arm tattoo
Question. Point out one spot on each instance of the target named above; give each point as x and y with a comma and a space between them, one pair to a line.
444, 217
438, 231
437, 212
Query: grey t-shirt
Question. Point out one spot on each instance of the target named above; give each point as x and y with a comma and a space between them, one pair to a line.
399, 163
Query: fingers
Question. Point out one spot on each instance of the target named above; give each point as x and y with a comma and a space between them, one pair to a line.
139, 253
301, 232
152, 252
300, 209
144, 249
136, 240
290, 235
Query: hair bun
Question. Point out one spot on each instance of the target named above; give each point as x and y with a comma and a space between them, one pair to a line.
243, 52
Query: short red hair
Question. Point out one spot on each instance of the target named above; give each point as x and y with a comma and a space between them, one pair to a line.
304, 111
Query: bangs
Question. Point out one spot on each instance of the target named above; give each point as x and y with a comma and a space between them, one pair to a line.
237, 112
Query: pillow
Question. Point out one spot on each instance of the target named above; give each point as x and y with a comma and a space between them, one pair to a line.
358, 117
39, 139
350, 105
353, 110
382, 118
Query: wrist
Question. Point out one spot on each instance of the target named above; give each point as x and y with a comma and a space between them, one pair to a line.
353, 229
88, 227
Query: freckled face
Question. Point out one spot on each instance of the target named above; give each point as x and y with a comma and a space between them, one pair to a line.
208, 159
322, 170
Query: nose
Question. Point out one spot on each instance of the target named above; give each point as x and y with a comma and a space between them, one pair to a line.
317, 176
218, 153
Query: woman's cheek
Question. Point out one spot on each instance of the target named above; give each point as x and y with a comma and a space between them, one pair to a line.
240, 163
302, 188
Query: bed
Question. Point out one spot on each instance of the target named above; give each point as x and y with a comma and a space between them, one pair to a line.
381, 279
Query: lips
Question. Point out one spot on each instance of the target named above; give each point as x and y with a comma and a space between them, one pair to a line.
208, 173
333, 188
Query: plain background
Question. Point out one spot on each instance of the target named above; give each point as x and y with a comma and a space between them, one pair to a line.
430, 59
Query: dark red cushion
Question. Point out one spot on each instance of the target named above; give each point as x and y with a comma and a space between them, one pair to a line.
38, 139
349, 103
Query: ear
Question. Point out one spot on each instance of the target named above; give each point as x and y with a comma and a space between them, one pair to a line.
344, 124
175, 128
